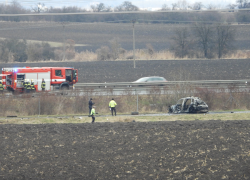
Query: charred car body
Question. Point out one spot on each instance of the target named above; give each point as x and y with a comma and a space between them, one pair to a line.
189, 105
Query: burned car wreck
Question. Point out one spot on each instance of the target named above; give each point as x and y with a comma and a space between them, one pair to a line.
189, 105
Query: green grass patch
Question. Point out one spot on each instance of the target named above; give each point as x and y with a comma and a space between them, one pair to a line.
125, 118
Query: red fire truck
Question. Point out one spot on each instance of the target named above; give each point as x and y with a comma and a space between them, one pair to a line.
54, 77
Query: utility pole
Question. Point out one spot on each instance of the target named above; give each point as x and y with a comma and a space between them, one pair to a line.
63, 24
133, 21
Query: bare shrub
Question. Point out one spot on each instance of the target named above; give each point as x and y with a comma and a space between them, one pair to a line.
5, 109
103, 53
59, 54
34, 52
80, 104
130, 57
86, 56
48, 104
239, 54
150, 49
70, 54
115, 48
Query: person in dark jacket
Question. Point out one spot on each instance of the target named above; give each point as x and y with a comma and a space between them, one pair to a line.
90, 105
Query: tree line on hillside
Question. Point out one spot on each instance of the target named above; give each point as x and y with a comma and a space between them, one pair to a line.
204, 40
14, 50
16, 8
199, 41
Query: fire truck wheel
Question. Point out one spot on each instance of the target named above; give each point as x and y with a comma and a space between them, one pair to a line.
64, 88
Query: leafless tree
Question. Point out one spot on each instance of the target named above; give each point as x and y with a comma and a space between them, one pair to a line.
243, 4
165, 7
231, 6
174, 6
211, 7
115, 48
197, 6
127, 6
225, 35
181, 41
150, 49
40, 7
100, 8
13, 8
204, 34
182, 4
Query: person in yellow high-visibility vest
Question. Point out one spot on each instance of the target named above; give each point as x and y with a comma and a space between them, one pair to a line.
43, 85
112, 105
28, 87
1, 87
32, 86
92, 114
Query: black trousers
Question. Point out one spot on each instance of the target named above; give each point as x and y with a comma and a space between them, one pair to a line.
90, 110
93, 119
112, 110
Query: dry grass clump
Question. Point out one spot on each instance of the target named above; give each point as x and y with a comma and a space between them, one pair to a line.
156, 101
148, 54
85, 56
240, 54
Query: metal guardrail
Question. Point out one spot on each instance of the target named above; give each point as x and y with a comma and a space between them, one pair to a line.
169, 83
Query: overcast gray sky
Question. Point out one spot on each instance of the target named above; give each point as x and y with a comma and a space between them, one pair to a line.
145, 4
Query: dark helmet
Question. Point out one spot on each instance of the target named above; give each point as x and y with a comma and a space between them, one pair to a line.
112, 98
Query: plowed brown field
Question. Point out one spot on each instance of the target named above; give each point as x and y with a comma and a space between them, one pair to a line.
132, 150
124, 71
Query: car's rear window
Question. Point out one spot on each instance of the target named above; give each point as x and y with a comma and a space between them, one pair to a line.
142, 79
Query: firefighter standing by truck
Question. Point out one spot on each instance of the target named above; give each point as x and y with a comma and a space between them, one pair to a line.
24, 85
1, 87
32, 86
28, 86
43, 85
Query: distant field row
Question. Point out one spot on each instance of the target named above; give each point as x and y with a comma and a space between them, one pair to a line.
172, 70
91, 36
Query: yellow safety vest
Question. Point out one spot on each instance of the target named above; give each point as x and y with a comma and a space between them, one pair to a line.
28, 86
43, 84
1, 87
32, 86
112, 103
92, 112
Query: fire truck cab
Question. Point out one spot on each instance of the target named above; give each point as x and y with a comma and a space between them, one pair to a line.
54, 77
